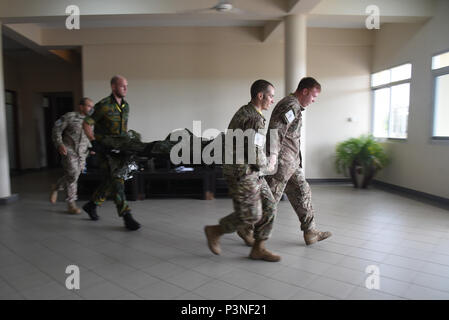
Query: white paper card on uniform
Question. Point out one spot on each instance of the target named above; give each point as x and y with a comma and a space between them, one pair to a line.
290, 116
259, 140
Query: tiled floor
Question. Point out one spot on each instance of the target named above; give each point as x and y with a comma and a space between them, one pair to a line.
168, 257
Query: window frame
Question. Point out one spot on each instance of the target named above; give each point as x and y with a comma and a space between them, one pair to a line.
390, 85
435, 74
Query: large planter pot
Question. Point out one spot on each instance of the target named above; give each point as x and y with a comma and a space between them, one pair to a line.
360, 177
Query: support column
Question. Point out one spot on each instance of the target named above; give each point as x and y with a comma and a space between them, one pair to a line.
296, 62
5, 182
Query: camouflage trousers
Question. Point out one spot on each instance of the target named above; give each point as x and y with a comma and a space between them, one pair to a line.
291, 179
254, 206
72, 164
111, 185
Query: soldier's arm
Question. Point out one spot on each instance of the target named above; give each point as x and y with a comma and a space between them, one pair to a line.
57, 131
280, 125
88, 131
262, 162
90, 121
267, 166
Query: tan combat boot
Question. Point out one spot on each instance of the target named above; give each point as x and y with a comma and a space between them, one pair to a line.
260, 253
53, 194
312, 236
247, 235
72, 208
213, 234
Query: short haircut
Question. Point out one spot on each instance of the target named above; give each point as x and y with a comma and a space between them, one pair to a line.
115, 79
259, 86
308, 83
83, 101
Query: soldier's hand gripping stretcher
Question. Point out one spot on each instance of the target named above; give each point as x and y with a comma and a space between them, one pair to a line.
99, 147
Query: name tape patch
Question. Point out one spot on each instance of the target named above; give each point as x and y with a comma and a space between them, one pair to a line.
259, 140
290, 116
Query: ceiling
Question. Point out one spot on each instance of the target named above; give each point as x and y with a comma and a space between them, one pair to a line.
181, 13
25, 20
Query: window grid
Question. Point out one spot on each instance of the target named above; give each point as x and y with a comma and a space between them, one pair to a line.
397, 121
440, 130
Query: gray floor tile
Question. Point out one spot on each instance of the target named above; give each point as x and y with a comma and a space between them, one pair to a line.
275, 289
128, 296
330, 287
360, 293
357, 263
346, 275
432, 281
164, 270
189, 279
243, 278
248, 295
307, 294
404, 262
134, 280
218, 290
294, 276
416, 292
213, 269
49, 291
160, 290
30, 281
305, 264
7, 292
397, 273
102, 291
189, 296
168, 258
393, 287
435, 269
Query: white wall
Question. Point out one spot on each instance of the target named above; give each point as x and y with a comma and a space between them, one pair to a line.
340, 60
417, 163
172, 84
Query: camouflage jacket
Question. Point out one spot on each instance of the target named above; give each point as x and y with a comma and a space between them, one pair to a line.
286, 119
109, 118
68, 130
247, 156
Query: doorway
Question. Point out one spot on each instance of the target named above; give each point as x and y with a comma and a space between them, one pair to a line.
12, 129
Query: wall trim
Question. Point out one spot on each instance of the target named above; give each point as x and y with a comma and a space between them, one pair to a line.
7, 200
414, 194
324, 181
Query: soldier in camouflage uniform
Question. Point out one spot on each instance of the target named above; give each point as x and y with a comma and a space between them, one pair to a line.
72, 144
287, 120
254, 204
110, 119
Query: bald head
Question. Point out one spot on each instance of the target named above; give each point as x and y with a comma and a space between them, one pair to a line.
119, 86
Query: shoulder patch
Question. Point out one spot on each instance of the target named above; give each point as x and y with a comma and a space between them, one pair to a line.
289, 116
259, 140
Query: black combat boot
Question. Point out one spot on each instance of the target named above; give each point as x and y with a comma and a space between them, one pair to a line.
130, 223
91, 209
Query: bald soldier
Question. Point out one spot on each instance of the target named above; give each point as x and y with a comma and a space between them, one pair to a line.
110, 119
253, 201
286, 118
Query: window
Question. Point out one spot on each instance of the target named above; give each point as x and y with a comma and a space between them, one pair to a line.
391, 101
440, 71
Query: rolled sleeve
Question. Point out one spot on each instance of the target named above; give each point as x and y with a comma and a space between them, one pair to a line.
89, 120
95, 116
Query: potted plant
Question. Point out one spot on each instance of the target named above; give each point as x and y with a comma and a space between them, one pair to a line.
362, 157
